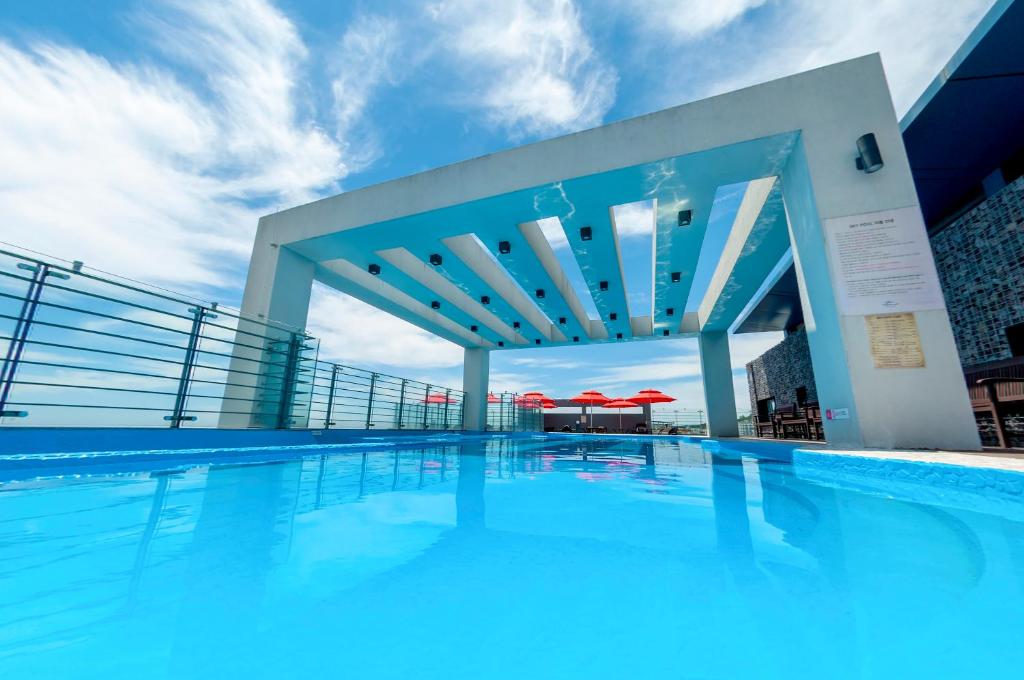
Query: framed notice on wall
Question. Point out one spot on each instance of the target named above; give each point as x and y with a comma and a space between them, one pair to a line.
882, 262
894, 340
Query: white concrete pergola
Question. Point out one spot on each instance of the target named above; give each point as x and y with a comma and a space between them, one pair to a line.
794, 139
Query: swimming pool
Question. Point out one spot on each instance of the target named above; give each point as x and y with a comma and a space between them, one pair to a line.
509, 557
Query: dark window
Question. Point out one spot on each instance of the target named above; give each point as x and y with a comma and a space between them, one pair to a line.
1015, 335
765, 408
801, 396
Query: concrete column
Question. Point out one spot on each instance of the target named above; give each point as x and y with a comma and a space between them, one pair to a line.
475, 376
277, 289
924, 407
719, 396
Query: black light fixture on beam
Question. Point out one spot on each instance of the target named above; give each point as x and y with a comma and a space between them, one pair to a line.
501, 343
473, 329
670, 311
685, 217
586, 233
435, 259
537, 341
677, 277
515, 324
613, 316
603, 285
618, 336
374, 269
869, 158
540, 293
434, 304
504, 247
575, 338
561, 321
665, 332
485, 299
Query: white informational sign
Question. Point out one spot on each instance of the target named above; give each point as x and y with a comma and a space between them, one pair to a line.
882, 262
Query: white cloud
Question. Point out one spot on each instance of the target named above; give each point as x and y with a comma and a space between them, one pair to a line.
366, 60
635, 219
915, 38
693, 18
352, 332
138, 169
528, 63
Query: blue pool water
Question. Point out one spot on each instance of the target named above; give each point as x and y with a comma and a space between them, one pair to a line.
511, 558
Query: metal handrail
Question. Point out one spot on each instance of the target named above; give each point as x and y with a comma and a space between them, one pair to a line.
265, 372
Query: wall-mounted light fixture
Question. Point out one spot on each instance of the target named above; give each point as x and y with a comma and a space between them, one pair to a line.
435, 259
677, 277
670, 311
501, 343
575, 338
504, 247
474, 329
665, 332
515, 324
561, 321
485, 299
603, 285
618, 336
434, 304
586, 233
869, 158
374, 269
537, 341
540, 293
685, 216
613, 316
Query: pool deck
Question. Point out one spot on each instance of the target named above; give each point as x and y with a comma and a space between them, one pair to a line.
1000, 459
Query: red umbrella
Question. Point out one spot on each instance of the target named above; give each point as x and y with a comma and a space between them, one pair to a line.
492, 398
589, 398
648, 397
438, 398
620, 404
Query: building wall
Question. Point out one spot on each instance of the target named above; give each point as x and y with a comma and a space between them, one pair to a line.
980, 259
779, 371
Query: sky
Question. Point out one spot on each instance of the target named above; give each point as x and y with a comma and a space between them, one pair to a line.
146, 138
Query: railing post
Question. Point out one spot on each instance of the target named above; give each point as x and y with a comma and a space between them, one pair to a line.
369, 400
289, 379
330, 397
199, 314
426, 408
401, 404
20, 336
447, 398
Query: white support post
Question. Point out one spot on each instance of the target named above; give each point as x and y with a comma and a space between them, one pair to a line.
475, 376
277, 290
716, 371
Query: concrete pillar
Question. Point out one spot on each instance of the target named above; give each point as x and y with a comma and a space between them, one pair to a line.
277, 289
719, 396
475, 376
925, 407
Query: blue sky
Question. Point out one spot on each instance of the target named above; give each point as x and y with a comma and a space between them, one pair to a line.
146, 138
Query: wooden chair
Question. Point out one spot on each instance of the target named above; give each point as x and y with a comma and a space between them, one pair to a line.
815, 429
991, 395
791, 422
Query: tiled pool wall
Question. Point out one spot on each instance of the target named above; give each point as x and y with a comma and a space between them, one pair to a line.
27, 452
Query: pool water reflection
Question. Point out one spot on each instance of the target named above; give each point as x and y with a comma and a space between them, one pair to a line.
542, 558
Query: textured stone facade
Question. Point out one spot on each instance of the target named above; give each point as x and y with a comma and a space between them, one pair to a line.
780, 371
980, 259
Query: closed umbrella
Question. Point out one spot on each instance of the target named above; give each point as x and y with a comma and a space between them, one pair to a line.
589, 398
620, 404
648, 397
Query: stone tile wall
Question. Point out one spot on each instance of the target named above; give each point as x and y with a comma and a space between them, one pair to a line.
980, 260
779, 371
